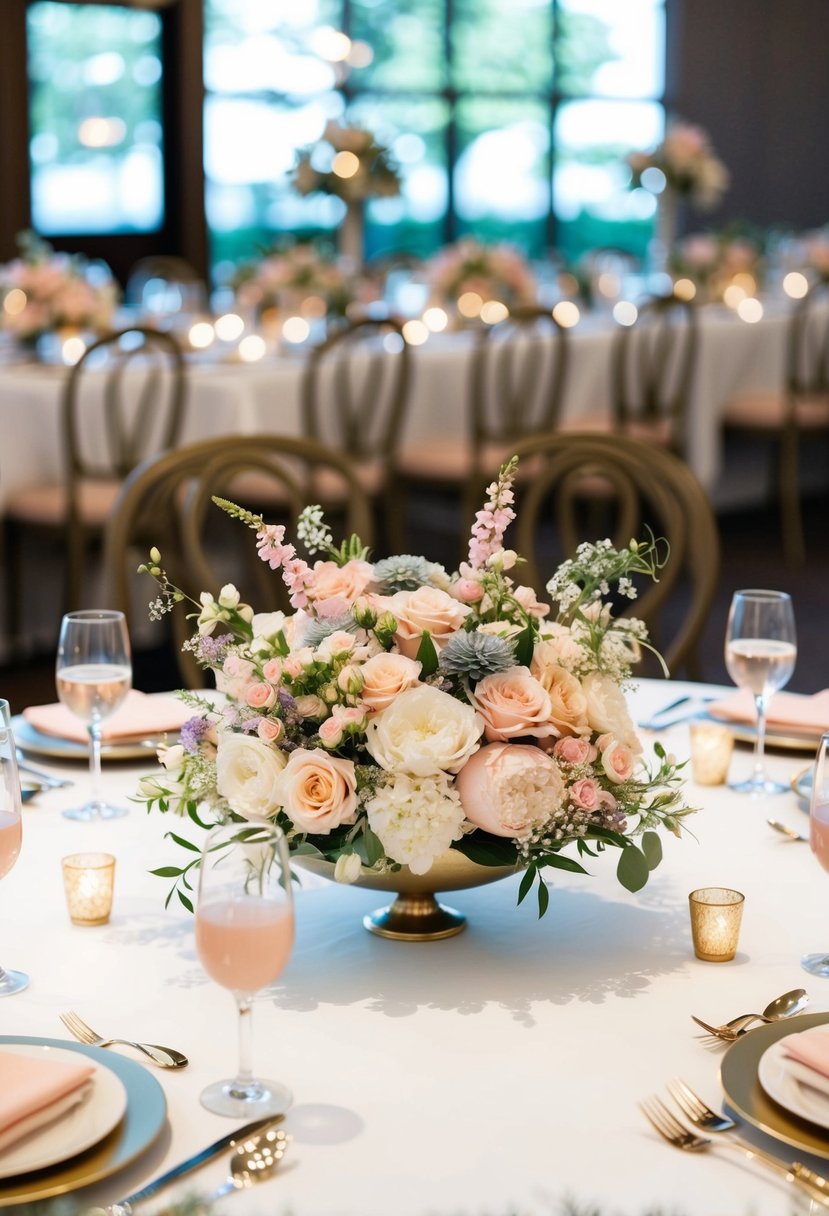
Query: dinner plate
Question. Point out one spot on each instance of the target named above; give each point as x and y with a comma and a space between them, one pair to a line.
29, 739
739, 1076
801, 783
142, 1123
785, 1080
81, 1127
789, 740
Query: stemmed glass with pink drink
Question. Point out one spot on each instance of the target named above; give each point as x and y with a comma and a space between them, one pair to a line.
11, 828
244, 936
818, 964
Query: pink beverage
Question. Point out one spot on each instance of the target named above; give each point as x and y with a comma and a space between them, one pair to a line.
760, 664
819, 833
93, 690
11, 836
244, 944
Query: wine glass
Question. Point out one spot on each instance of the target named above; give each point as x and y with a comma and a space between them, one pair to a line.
11, 827
93, 676
244, 935
818, 964
760, 653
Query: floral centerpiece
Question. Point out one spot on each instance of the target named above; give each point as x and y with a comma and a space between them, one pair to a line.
688, 162
43, 291
348, 162
490, 272
299, 278
715, 261
400, 711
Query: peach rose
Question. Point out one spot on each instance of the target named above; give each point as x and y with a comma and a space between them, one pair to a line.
346, 582
270, 729
558, 646
260, 695
430, 609
529, 601
618, 761
586, 793
513, 703
569, 704
385, 676
573, 749
318, 791
509, 788
607, 710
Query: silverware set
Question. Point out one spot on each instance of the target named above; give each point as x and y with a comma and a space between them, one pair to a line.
164, 1057
703, 1118
665, 717
784, 1006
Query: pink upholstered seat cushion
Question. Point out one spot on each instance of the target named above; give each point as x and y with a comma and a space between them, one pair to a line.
258, 487
47, 505
769, 411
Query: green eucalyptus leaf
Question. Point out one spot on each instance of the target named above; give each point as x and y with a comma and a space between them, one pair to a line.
373, 847
486, 850
652, 849
632, 870
524, 645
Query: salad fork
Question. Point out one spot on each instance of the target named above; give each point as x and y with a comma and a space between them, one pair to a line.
165, 1057
669, 1128
699, 1113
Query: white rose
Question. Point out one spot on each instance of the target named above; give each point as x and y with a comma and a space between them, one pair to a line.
607, 710
424, 731
248, 771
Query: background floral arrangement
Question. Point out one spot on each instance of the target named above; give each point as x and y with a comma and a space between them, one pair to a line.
713, 261
285, 278
43, 290
318, 169
494, 272
400, 711
689, 163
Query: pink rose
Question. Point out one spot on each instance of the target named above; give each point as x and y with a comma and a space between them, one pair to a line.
235, 676
426, 609
270, 729
586, 793
385, 676
318, 791
347, 582
527, 599
260, 696
331, 732
618, 761
573, 749
467, 590
272, 670
508, 788
513, 703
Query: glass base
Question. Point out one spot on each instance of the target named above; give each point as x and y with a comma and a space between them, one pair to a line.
816, 964
93, 811
253, 1101
12, 981
759, 785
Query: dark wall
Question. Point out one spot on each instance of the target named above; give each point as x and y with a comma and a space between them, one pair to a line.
755, 73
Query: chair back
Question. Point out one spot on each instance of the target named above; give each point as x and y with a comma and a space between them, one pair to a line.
167, 501
355, 389
653, 366
642, 487
807, 370
517, 378
124, 399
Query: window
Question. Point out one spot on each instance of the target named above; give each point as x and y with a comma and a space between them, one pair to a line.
510, 119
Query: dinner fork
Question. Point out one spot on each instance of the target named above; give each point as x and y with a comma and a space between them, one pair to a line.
165, 1057
669, 1128
727, 1032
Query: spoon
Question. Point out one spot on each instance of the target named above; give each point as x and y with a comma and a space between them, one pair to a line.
784, 1006
786, 831
254, 1160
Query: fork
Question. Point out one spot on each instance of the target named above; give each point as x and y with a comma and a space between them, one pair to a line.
729, 1031
669, 1128
165, 1057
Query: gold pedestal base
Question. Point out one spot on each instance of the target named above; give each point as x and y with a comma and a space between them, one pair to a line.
415, 918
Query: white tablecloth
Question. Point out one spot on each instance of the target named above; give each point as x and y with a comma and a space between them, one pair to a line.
494, 1072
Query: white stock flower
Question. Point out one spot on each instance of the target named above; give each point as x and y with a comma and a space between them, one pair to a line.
416, 818
424, 731
248, 773
347, 867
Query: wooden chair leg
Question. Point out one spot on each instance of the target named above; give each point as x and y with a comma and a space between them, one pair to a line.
13, 574
791, 516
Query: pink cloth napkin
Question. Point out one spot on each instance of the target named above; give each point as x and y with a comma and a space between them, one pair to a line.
34, 1090
787, 710
810, 1047
139, 715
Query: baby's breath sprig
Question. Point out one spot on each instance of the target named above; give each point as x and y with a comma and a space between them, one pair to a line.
169, 593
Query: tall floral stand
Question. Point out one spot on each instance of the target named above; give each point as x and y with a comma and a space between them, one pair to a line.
352, 234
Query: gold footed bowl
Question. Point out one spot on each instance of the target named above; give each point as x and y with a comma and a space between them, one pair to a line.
415, 915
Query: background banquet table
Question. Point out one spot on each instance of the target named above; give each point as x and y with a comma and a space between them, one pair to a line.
495, 1072
230, 398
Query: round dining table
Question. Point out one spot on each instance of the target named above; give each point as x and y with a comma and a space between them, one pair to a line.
495, 1073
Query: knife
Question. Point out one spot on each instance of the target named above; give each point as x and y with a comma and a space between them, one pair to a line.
124, 1206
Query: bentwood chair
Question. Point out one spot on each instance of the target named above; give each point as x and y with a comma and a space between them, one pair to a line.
515, 389
652, 372
643, 488
122, 400
798, 411
166, 502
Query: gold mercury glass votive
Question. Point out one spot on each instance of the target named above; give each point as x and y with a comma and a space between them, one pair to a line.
712, 745
716, 913
88, 880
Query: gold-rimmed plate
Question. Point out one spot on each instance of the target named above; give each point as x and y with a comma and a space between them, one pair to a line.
746, 1096
790, 740
801, 783
140, 1127
36, 743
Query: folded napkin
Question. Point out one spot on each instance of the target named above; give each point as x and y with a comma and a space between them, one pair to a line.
786, 710
138, 715
810, 1047
34, 1090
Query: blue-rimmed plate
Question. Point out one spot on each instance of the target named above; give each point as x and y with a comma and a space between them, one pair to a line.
801, 783
141, 1125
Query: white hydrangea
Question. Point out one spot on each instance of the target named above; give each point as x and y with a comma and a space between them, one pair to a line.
416, 818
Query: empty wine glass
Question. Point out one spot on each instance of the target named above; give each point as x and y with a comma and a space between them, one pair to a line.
244, 935
760, 653
11, 828
818, 964
93, 676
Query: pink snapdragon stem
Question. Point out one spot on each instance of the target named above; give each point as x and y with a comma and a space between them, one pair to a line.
492, 521
296, 573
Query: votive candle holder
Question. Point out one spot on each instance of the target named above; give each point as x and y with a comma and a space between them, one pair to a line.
716, 914
89, 881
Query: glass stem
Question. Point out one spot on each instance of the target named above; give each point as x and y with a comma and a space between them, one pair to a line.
760, 745
244, 1077
95, 760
